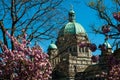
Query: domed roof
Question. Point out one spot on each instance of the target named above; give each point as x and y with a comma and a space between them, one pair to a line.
107, 44
72, 27
52, 46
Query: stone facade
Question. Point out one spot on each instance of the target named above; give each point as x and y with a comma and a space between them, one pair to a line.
71, 55
69, 60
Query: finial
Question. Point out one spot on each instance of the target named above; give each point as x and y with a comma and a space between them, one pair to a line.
71, 14
71, 7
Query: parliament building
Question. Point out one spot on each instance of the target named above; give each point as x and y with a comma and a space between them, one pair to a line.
69, 60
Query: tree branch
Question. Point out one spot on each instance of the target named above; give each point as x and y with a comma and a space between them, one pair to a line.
3, 32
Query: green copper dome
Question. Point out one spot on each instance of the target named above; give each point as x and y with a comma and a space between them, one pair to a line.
52, 46
72, 27
107, 44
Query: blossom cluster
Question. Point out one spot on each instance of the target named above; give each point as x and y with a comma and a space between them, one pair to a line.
24, 62
116, 15
113, 65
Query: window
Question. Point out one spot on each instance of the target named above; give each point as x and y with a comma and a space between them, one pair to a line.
70, 49
74, 49
79, 49
86, 49
64, 59
83, 49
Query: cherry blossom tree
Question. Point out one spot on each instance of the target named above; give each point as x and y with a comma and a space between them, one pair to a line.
24, 62
111, 30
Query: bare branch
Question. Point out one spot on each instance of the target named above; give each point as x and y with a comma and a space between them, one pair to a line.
3, 32
32, 16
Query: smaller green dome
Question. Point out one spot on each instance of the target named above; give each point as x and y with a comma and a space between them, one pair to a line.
107, 44
52, 45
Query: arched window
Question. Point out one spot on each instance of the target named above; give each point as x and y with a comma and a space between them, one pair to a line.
74, 49
86, 49
83, 49
70, 49
79, 49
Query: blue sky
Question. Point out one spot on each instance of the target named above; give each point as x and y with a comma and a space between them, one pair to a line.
86, 17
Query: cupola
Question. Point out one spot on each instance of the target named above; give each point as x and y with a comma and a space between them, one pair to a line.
52, 45
72, 27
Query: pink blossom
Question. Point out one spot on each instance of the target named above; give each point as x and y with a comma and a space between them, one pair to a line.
24, 62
